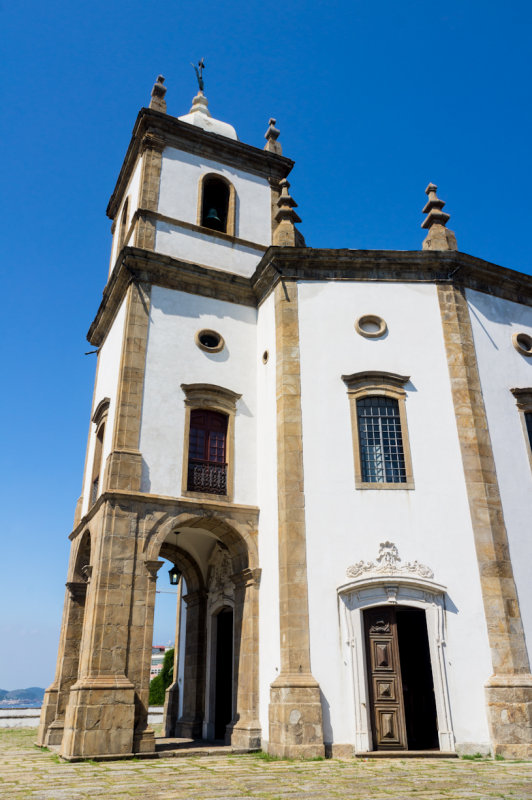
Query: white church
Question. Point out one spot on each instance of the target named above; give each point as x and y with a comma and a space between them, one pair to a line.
334, 449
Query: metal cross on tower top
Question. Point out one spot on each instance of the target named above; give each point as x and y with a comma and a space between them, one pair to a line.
199, 73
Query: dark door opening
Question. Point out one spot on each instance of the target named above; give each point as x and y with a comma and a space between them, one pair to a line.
402, 705
416, 673
223, 700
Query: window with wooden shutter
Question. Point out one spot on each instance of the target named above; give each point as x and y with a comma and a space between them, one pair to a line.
207, 464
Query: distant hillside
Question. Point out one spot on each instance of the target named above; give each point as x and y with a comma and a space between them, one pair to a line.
34, 694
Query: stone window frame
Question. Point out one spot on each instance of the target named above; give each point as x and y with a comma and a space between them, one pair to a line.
99, 418
210, 397
231, 207
523, 399
378, 384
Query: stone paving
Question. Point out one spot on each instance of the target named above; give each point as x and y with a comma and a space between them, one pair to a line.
28, 772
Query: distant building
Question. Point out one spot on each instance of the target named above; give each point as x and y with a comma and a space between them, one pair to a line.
157, 658
335, 449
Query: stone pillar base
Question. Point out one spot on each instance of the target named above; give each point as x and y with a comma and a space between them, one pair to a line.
188, 729
54, 734
509, 705
296, 728
144, 741
48, 714
171, 709
245, 736
100, 718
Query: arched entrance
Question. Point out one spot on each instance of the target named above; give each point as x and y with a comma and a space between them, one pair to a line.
219, 635
400, 682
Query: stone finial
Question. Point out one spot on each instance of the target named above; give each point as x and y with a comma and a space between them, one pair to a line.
285, 233
271, 136
158, 92
438, 237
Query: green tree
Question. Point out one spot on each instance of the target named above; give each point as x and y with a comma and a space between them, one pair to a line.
162, 681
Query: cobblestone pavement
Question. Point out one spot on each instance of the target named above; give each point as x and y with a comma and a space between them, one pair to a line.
28, 772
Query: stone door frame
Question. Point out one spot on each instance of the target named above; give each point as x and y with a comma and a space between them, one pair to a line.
210, 676
357, 596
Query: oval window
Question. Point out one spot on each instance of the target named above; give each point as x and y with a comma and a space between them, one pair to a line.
371, 326
208, 340
522, 343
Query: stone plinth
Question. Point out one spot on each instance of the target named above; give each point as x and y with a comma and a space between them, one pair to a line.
295, 717
509, 704
99, 719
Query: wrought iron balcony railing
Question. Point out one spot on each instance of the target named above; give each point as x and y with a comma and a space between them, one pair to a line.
206, 477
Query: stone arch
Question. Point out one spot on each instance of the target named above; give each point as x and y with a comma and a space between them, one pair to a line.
241, 545
186, 563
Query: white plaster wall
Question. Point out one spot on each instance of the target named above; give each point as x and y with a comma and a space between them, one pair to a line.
106, 386
269, 638
502, 368
201, 248
173, 358
430, 523
178, 197
132, 192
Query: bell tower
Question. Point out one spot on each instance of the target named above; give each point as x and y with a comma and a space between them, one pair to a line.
172, 467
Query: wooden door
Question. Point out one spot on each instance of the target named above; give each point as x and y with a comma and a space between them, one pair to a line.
384, 678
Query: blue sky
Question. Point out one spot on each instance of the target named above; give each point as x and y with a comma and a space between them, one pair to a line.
373, 102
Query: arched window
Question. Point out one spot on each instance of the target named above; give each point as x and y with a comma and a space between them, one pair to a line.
380, 435
217, 204
99, 418
207, 452
123, 226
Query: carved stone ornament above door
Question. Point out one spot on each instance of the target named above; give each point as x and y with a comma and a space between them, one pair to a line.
388, 563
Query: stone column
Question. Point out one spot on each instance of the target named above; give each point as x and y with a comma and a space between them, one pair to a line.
171, 697
124, 463
245, 727
140, 649
295, 713
100, 715
190, 724
56, 696
509, 690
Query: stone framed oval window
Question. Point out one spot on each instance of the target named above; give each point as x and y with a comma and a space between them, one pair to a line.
371, 326
210, 341
522, 343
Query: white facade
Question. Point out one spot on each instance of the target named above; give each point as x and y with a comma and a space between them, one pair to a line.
430, 524
502, 368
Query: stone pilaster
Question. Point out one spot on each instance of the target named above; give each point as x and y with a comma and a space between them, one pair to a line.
150, 180
190, 724
171, 697
245, 728
124, 464
55, 700
295, 713
100, 716
509, 690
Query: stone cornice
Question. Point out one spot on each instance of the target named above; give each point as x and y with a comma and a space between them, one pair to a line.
405, 266
302, 264
207, 508
175, 133
144, 266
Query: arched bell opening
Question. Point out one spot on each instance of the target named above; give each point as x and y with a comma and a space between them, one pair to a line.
216, 204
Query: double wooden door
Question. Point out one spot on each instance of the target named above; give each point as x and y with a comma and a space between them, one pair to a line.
384, 677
